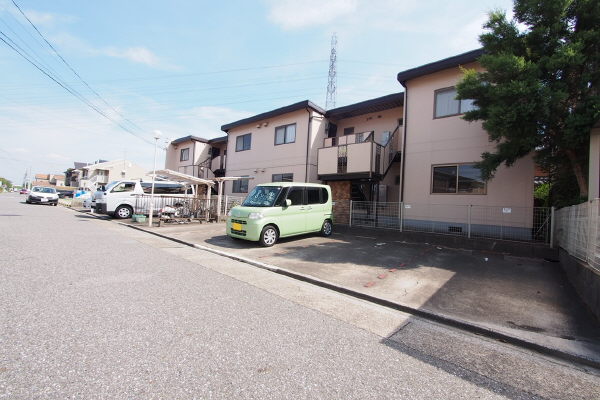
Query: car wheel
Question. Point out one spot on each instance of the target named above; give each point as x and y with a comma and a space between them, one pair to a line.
123, 212
268, 236
327, 228
55, 204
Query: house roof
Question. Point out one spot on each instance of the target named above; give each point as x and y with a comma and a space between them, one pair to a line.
273, 113
368, 106
105, 164
218, 140
79, 165
189, 138
59, 177
42, 176
440, 65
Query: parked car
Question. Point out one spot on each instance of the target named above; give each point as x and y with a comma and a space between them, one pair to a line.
119, 198
42, 195
24, 191
64, 193
281, 209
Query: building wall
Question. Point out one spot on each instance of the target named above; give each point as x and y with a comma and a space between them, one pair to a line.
265, 158
450, 140
198, 153
379, 122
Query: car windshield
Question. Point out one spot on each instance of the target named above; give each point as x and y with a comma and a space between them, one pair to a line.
36, 189
47, 190
110, 186
262, 196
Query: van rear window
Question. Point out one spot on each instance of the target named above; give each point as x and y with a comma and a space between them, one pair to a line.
164, 188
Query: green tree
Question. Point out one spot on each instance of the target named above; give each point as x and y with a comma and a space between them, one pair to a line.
539, 89
5, 182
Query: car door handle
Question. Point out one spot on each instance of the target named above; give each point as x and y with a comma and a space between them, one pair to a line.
301, 208
309, 208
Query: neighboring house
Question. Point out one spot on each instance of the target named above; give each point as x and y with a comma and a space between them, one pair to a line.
49, 180
196, 156
94, 175
278, 145
440, 149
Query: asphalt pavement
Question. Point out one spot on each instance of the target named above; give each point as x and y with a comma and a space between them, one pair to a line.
89, 309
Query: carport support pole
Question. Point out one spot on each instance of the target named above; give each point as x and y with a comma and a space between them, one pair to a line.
219, 190
469, 221
400, 214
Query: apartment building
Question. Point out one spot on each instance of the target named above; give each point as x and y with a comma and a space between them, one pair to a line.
197, 156
352, 148
94, 175
278, 145
440, 149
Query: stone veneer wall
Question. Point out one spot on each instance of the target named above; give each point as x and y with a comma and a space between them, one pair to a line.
341, 193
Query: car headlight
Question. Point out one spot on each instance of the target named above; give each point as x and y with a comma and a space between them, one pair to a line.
255, 215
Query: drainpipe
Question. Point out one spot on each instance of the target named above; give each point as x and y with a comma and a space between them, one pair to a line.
403, 155
308, 133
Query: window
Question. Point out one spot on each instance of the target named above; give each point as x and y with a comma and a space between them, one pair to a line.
296, 195
240, 186
124, 187
184, 155
313, 195
282, 178
348, 131
342, 164
243, 142
324, 196
446, 103
285, 134
164, 188
457, 179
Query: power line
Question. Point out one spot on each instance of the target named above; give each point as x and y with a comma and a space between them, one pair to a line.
72, 69
71, 91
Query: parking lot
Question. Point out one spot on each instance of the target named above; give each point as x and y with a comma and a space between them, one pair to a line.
525, 297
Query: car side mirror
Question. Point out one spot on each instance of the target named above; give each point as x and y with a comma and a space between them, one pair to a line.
288, 202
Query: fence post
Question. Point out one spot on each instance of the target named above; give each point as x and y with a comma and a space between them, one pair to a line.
552, 227
469, 221
401, 215
350, 215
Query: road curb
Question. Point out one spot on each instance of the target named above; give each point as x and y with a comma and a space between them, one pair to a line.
453, 322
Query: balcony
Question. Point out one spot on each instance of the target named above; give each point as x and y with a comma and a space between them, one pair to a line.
356, 156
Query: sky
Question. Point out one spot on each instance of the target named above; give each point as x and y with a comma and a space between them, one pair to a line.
132, 68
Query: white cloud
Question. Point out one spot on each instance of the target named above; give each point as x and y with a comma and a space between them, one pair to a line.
140, 55
293, 14
467, 37
48, 19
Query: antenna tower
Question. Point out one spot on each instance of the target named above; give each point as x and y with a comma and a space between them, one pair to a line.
332, 80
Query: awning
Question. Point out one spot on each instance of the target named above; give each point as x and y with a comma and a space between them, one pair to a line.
178, 176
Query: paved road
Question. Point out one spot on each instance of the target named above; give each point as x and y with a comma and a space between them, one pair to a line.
90, 309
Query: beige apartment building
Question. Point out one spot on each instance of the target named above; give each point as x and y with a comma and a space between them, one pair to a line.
440, 148
92, 176
352, 148
196, 156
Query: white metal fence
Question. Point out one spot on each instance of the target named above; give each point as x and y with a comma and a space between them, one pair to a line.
187, 206
578, 232
508, 223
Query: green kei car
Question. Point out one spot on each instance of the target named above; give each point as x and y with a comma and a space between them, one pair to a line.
282, 209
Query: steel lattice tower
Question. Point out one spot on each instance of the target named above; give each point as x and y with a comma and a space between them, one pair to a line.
332, 81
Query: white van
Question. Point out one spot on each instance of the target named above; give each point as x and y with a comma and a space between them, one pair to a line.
121, 199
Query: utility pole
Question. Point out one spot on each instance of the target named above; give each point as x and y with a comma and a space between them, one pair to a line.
332, 80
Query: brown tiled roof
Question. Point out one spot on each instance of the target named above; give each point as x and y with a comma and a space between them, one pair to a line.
42, 176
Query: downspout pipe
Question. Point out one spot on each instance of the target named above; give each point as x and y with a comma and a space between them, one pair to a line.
403, 155
308, 134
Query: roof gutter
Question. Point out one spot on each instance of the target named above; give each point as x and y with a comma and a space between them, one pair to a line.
403, 155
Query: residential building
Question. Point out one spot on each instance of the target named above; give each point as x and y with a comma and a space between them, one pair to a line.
440, 150
278, 145
49, 180
196, 156
352, 148
94, 175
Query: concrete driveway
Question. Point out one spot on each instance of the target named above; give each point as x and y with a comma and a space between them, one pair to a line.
524, 297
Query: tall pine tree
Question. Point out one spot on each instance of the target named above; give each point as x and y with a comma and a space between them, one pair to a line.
540, 89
